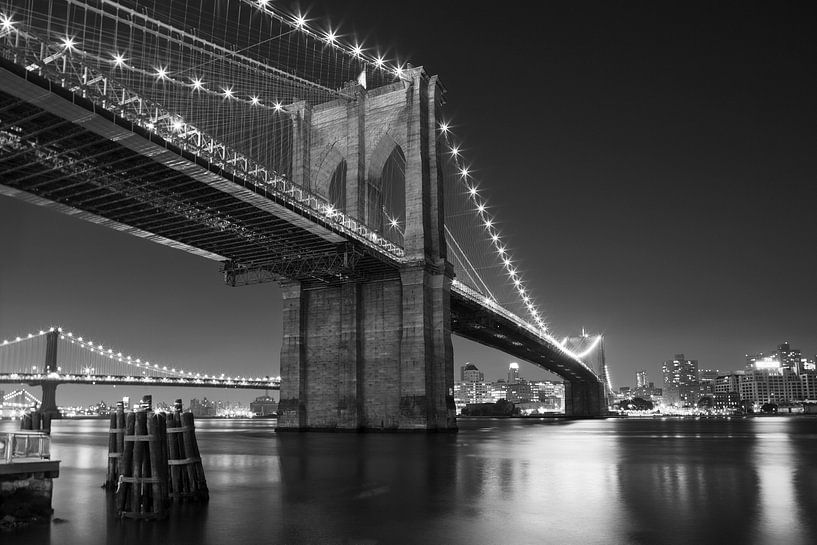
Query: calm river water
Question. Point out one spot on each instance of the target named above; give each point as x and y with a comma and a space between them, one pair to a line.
741, 481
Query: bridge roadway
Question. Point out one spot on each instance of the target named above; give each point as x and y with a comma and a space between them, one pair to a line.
65, 152
37, 379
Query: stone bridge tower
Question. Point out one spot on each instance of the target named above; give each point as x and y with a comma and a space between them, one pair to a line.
373, 354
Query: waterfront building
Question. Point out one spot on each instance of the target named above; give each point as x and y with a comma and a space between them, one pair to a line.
519, 391
470, 373
203, 407
497, 390
513, 373
752, 358
532, 396
264, 405
706, 381
770, 384
808, 383
729, 401
789, 358
725, 384
648, 392
680, 381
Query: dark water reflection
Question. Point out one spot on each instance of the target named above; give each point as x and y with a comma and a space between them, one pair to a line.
747, 481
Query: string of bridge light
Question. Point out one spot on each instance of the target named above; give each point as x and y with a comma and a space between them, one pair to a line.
16, 340
146, 365
329, 37
297, 21
163, 74
129, 360
489, 225
196, 85
177, 124
160, 73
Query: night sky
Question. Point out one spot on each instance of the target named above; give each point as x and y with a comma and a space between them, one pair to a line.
652, 166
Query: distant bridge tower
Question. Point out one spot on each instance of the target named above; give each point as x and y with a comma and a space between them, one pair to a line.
49, 399
373, 353
588, 399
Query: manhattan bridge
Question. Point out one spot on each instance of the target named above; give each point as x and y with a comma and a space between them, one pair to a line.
245, 134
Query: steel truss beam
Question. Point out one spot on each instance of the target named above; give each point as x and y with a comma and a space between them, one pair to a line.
326, 266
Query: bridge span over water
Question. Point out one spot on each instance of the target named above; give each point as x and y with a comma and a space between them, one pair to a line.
327, 170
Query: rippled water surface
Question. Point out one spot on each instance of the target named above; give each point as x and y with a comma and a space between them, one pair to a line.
742, 481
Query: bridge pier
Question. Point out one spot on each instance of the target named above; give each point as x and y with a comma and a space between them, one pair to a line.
374, 354
49, 399
584, 399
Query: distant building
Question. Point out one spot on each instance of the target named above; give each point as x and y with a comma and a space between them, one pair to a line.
648, 391
641, 379
529, 396
470, 373
770, 385
513, 373
726, 401
680, 381
789, 358
472, 388
752, 358
202, 407
519, 392
726, 384
782, 376
808, 382
264, 405
706, 381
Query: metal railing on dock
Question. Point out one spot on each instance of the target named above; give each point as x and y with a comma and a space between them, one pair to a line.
19, 445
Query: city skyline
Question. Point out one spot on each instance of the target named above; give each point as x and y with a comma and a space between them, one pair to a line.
662, 143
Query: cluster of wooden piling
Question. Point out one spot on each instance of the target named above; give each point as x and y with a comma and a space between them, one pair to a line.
36, 420
153, 458
186, 472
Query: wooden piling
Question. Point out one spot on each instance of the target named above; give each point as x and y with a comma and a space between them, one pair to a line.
25, 422
123, 488
112, 475
186, 472
142, 490
35, 420
173, 455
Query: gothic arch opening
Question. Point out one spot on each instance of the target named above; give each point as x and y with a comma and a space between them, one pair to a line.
386, 193
337, 186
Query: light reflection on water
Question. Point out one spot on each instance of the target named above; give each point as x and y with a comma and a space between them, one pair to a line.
749, 481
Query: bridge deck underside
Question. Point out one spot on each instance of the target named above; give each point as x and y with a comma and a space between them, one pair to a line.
478, 323
48, 159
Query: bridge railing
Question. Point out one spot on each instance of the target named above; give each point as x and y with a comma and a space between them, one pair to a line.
485, 301
272, 383
24, 444
64, 64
